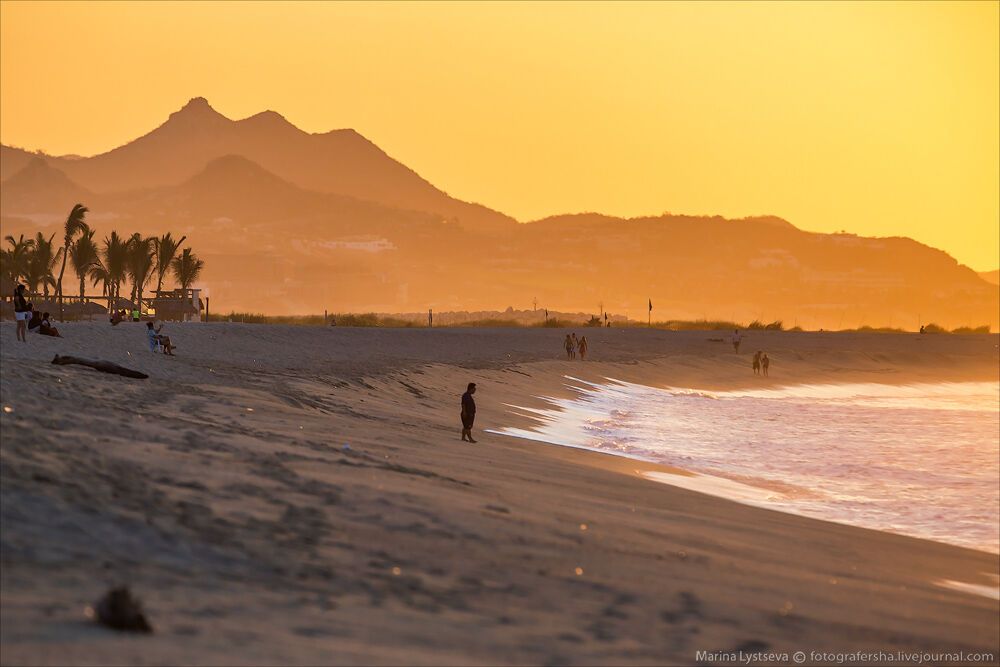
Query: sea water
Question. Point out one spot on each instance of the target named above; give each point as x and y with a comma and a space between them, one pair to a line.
919, 459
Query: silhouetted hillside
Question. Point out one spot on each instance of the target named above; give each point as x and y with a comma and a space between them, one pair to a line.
341, 162
37, 185
264, 203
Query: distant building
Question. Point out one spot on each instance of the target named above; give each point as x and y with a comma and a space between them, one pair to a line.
181, 305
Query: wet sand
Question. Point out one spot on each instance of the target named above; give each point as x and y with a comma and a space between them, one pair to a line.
220, 489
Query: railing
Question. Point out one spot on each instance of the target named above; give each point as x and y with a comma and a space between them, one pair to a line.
52, 304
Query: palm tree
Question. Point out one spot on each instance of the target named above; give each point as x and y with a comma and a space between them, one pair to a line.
74, 225
42, 263
187, 268
166, 250
83, 256
16, 259
99, 274
139, 264
115, 254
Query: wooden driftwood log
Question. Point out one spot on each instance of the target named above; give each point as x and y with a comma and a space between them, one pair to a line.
103, 366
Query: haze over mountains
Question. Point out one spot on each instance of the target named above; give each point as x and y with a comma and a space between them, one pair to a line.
291, 222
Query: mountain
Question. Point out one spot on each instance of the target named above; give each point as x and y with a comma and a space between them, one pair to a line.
339, 162
37, 185
290, 222
992, 277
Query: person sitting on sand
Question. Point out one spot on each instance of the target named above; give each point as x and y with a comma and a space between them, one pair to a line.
583, 348
756, 362
153, 333
46, 329
468, 412
35, 319
569, 347
736, 340
765, 363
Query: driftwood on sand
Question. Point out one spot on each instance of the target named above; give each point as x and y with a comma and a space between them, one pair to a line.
103, 366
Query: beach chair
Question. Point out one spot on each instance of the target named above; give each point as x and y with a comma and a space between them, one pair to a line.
155, 345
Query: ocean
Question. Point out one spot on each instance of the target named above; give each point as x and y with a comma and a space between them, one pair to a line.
919, 459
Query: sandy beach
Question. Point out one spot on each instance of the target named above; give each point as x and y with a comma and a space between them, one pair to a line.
221, 491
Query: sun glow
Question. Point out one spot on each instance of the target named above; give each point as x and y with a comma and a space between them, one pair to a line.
877, 118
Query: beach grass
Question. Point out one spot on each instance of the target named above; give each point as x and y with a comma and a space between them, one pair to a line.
442, 320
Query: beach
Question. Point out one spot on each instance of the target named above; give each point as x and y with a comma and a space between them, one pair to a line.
300, 495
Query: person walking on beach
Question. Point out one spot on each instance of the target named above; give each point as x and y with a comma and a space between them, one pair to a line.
756, 362
576, 345
570, 351
468, 412
583, 348
765, 363
736, 340
21, 313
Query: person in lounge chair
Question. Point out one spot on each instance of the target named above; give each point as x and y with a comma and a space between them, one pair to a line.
155, 339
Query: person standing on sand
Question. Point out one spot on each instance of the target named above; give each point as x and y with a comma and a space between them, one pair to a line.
576, 344
568, 344
736, 340
21, 313
583, 348
468, 412
756, 362
765, 363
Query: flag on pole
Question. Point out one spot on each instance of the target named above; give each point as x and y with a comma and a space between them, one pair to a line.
650, 305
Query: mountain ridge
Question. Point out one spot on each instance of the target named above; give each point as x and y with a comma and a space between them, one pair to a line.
290, 228
339, 161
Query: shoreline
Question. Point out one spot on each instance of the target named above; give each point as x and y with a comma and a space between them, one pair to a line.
746, 489
220, 489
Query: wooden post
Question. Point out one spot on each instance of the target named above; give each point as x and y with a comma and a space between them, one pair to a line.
206, 308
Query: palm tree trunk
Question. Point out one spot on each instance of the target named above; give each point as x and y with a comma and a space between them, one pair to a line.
59, 291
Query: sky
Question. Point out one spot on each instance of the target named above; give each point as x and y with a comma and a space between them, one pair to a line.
881, 119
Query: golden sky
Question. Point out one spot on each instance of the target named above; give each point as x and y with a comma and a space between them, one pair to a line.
880, 119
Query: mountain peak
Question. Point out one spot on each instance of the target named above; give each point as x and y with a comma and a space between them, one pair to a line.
236, 171
198, 110
268, 120
197, 103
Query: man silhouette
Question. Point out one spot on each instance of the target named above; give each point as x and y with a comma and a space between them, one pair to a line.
468, 412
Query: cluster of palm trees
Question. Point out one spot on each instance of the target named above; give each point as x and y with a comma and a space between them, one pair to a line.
114, 262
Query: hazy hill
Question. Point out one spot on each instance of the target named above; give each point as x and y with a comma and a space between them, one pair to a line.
991, 276
38, 186
340, 161
280, 235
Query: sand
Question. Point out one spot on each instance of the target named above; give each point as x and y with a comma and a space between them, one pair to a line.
221, 491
